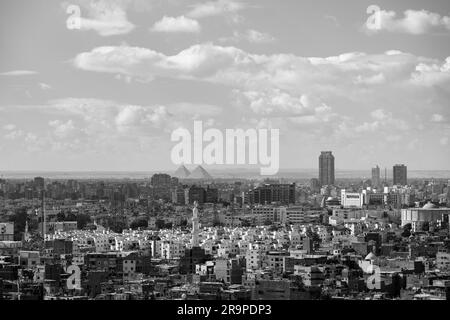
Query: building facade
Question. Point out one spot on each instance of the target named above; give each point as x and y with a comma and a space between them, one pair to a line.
326, 168
400, 175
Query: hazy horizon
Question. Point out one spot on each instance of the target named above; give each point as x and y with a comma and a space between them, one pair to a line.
218, 174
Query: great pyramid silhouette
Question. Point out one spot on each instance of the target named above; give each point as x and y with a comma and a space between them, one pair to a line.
182, 172
200, 173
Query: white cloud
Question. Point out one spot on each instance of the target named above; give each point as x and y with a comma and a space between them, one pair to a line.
195, 110
383, 120
332, 19
233, 66
62, 129
277, 103
107, 18
178, 24
437, 118
431, 73
132, 117
252, 36
44, 86
375, 79
9, 127
278, 86
380, 114
413, 22
18, 73
14, 134
215, 8
443, 141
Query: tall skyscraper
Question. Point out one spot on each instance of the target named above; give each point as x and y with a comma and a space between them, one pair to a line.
326, 168
400, 175
376, 180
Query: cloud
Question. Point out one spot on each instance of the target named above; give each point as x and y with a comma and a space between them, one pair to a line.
214, 8
44, 86
252, 36
63, 129
9, 127
18, 73
382, 120
443, 141
178, 24
277, 103
195, 110
135, 117
414, 22
347, 96
85, 128
375, 79
107, 18
432, 73
380, 114
14, 134
232, 66
437, 118
332, 19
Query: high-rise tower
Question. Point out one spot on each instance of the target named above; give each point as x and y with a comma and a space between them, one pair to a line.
195, 225
400, 175
376, 178
326, 168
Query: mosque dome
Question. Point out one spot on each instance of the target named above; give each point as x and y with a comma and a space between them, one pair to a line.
370, 256
429, 205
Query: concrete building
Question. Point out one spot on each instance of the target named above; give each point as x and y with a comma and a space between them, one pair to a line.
7, 231
274, 192
351, 199
400, 175
230, 270
326, 168
429, 213
443, 260
376, 179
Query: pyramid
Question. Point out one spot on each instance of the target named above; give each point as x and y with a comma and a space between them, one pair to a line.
181, 172
200, 173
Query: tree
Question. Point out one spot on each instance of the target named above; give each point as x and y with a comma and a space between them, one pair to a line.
273, 227
116, 224
406, 230
70, 217
82, 220
20, 219
245, 223
168, 225
217, 224
60, 216
183, 223
159, 223
139, 223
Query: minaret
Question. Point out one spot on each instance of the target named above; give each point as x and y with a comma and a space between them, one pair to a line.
195, 225
43, 214
26, 235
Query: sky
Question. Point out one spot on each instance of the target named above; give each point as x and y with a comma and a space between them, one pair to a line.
104, 92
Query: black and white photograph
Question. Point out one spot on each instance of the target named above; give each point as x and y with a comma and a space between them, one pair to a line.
219, 155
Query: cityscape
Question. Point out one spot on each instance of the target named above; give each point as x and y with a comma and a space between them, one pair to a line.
186, 235
224, 157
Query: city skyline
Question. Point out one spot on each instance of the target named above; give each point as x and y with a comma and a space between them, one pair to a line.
108, 95
219, 155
